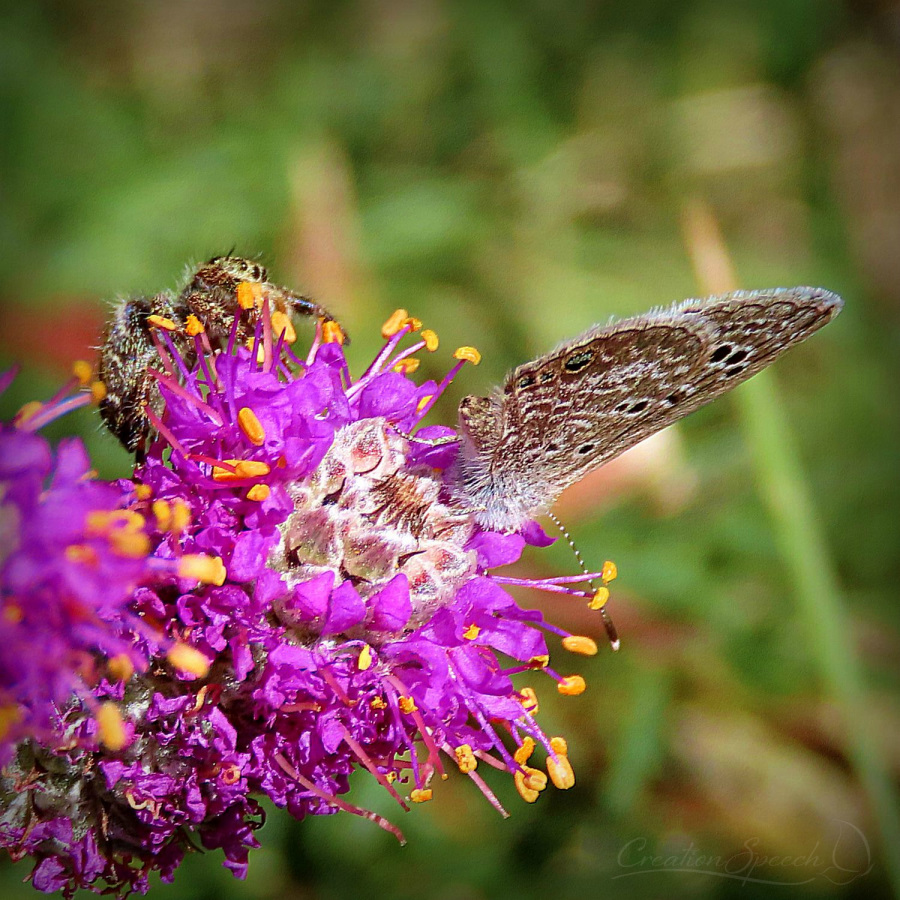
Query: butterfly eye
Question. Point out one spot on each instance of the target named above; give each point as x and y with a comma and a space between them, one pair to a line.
578, 361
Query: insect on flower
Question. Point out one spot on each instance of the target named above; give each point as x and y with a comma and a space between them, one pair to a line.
223, 295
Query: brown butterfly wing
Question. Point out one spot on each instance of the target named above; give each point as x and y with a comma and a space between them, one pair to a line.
592, 398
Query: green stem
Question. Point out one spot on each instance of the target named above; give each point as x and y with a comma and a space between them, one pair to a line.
803, 547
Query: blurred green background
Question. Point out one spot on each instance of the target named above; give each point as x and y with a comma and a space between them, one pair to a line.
512, 172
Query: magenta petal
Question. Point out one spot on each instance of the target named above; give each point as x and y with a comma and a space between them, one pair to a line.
390, 608
345, 609
311, 597
496, 549
535, 535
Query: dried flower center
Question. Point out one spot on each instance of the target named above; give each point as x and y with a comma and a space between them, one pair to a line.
365, 514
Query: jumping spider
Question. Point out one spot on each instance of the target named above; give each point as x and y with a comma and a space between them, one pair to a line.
211, 294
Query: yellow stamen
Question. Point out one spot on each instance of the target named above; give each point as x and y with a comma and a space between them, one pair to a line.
524, 785
412, 323
134, 545
27, 411
599, 599
559, 745
162, 512
472, 632
332, 333
143, 491
162, 322
539, 662
82, 553
98, 391
281, 322
249, 294
100, 521
181, 516
524, 751
609, 571
243, 468
577, 643
571, 686
202, 568
193, 326
250, 343
378, 703
391, 777
407, 705
120, 667
111, 726
259, 492
82, 371
420, 795
528, 699
561, 772
9, 715
394, 323
424, 402
535, 779
364, 661
251, 426
231, 774
465, 758
431, 340
188, 659
470, 354
12, 612
407, 366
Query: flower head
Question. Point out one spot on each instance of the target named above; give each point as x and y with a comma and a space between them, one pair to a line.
309, 600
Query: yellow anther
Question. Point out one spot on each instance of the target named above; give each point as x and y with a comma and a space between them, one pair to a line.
162, 512
559, 745
577, 643
598, 601
391, 777
561, 772
193, 326
394, 323
378, 703
539, 662
98, 391
472, 632
364, 661
181, 516
120, 667
27, 411
407, 705
470, 354
609, 571
9, 715
424, 401
535, 779
243, 468
12, 612
249, 294
259, 492
143, 491
110, 726
431, 340
571, 686
412, 323
82, 371
250, 343
188, 659
420, 795
332, 333
162, 322
526, 785
528, 699
132, 544
524, 751
202, 568
281, 323
465, 758
251, 426
82, 553
407, 366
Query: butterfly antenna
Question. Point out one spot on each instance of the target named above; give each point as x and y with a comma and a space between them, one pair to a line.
612, 633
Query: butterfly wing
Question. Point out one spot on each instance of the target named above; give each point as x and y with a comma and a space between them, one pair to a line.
592, 398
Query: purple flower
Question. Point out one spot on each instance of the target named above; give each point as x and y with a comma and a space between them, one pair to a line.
308, 601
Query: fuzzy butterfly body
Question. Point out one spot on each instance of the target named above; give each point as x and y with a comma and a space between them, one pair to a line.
564, 414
